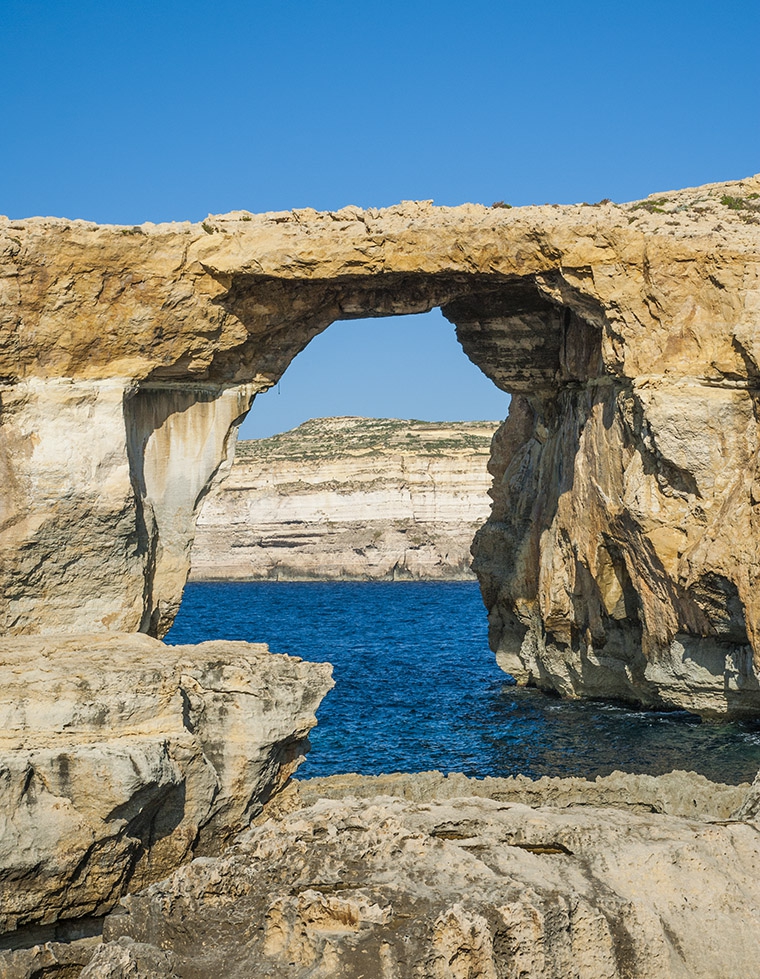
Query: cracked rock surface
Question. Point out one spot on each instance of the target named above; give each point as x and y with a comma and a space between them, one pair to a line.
459, 888
121, 757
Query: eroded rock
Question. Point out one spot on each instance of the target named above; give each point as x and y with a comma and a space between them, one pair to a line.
675, 794
64, 960
126, 959
461, 887
121, 757
621, 558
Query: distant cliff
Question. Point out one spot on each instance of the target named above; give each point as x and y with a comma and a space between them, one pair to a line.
349, 498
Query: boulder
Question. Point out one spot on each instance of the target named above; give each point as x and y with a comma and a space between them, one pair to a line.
121, 758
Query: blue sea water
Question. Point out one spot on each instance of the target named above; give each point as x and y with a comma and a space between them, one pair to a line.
417, 688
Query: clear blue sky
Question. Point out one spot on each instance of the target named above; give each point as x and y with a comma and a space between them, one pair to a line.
133, 111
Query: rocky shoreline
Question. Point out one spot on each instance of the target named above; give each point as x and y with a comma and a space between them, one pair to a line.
122, 758
426, 876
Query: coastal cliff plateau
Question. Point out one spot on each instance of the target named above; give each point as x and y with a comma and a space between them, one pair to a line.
621, 557
432, 877
349, 498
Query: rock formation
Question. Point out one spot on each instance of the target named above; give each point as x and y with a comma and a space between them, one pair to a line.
424, 877
352, 498
121, 757
621, 558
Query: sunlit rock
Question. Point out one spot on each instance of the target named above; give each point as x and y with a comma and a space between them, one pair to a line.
121, 758
403, 880
621, 558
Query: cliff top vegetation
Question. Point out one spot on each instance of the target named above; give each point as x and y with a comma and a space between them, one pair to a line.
350, 436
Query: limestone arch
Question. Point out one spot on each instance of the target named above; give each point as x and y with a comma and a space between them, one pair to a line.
523, 339
624, 543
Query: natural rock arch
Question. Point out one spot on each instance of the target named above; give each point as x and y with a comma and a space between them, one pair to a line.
621, 555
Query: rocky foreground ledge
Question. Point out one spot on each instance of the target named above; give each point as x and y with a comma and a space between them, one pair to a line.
121, 758
427, 877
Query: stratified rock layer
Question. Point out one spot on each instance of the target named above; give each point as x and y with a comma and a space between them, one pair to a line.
353, 498
621, 558
458, 886
120, 758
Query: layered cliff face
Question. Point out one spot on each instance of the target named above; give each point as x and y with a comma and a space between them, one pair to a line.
358, 498
622, 553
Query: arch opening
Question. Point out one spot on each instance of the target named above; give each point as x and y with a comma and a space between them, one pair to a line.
389, 480
521, 332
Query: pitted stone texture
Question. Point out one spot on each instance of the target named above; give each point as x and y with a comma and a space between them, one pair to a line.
126, 959
64, 960
121, 757
461, 887
675, 794
621, 558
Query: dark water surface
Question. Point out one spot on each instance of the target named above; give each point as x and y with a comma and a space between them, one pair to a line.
417, 688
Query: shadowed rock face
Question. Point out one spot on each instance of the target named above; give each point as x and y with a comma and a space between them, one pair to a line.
621, 555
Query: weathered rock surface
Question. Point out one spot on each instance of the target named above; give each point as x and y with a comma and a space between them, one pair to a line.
120, 758
349, 498
126, 959
621, 558
460, 887
674, 794
64, 960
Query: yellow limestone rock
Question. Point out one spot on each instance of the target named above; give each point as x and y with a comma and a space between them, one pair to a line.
621, 558
634, 878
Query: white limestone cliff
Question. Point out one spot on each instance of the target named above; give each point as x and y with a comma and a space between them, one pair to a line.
349, 498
